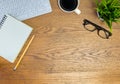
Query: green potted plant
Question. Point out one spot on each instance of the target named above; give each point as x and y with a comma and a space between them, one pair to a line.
108, 11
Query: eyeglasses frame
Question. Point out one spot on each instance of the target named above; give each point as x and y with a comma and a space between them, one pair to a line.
98, 28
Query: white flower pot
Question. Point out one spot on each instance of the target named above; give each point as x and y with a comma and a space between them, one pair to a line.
99, 16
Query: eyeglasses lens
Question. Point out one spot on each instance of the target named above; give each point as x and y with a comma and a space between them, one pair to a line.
102, 34
90, 27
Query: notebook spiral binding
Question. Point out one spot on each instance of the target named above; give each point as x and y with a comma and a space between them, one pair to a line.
3, 20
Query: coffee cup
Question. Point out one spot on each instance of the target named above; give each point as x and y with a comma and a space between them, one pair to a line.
69, 6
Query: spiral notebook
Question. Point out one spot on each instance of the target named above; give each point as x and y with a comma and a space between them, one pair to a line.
13, 35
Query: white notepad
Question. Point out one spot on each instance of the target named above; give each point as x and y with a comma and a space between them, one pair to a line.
13, 35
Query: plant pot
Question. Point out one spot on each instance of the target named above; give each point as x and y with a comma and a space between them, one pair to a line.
98, 14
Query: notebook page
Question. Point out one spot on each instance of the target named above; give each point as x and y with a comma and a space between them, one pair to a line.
13, 35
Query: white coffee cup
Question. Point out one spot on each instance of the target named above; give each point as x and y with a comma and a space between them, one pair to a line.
69, 6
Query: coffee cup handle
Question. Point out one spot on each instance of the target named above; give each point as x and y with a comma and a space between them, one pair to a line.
77, 11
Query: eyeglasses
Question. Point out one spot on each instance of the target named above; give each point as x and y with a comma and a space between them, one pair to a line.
102, 32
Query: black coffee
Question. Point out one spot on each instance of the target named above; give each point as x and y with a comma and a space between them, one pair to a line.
68, 5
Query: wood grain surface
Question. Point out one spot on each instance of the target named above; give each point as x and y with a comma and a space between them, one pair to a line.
63, 52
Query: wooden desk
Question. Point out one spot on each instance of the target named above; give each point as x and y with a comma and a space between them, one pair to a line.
63, 52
